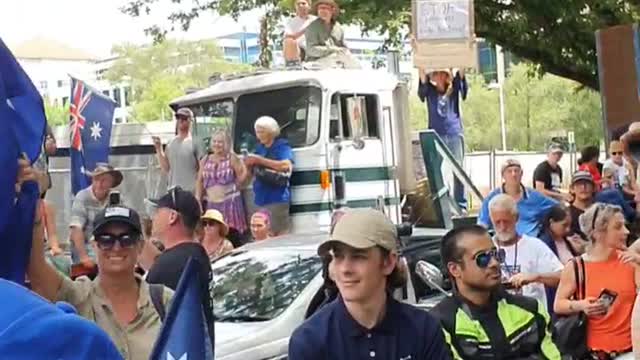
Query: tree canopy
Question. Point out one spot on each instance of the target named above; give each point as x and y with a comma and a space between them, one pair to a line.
558, 35
161, 72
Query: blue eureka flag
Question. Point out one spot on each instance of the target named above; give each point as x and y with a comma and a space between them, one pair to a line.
23, 127
184, 333
90, 128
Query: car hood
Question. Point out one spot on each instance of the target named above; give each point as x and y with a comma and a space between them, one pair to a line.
227, 332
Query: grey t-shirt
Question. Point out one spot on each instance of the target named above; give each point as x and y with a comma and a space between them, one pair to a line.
84, 209
183, 158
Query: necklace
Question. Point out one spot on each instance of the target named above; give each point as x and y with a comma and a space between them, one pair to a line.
515, 258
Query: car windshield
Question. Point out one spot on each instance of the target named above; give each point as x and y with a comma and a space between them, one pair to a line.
259, 285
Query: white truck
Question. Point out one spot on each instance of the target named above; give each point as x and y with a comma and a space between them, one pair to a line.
349, 130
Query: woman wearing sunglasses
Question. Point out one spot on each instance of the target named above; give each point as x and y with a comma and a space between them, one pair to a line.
215, 232
118, 300
610, 281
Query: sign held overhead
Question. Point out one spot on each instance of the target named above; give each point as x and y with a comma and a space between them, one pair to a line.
444, 34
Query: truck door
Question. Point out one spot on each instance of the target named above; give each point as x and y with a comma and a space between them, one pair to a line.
358, 157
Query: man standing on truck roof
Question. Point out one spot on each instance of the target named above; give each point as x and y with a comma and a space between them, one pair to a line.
365, 321
441, 91
180, 160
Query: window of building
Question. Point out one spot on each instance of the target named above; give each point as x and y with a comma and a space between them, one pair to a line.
127, 96
116, 96
60, 83
364, 116
119, 120
65, 100
106, 93
44, 85
296, 109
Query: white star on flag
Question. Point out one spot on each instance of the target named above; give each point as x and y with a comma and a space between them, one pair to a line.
96, 131
170, 357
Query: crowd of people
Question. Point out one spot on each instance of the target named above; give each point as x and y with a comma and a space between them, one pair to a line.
513, 273
572, 249
124, 264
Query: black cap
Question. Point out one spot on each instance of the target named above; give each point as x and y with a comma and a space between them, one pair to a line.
184, 203
119, 215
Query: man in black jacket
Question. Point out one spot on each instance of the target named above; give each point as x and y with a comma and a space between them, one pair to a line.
481, 320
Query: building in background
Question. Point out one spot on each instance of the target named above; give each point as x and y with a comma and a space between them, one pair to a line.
49, 64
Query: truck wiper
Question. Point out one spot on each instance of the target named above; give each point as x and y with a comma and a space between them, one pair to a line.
242, 318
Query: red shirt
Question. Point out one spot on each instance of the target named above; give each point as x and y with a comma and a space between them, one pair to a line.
595, 173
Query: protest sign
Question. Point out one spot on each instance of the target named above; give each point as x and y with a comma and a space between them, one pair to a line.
444, 34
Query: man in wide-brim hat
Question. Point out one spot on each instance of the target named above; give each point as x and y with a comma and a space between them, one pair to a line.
325, 36
86, 204
330, 3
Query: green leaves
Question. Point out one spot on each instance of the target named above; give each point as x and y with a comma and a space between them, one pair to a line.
536, 108
163, 71
557, 34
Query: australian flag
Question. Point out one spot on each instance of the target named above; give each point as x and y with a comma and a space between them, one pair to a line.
184, 334
90, 125
23, 126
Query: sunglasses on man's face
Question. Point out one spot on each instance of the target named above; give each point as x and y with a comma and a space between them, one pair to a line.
615, 153
483, 259
108, 241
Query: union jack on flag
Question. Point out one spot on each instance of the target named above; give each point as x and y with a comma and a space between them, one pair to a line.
90, 130
79, 102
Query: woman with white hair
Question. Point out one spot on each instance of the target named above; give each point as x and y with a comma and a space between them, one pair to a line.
272, 165
610, 277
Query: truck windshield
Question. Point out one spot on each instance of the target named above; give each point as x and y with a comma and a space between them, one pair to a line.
297, 110
211, 116
260, 285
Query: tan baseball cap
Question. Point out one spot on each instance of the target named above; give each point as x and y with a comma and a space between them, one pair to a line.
362, 229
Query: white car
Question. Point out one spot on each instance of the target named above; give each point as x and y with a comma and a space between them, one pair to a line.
261, 293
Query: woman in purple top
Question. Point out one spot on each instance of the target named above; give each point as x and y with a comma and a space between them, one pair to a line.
219, 179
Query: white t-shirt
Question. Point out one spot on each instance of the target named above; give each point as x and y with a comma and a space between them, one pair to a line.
621, 176
296, 24
530, 256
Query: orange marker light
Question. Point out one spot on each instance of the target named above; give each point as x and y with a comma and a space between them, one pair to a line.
325, 179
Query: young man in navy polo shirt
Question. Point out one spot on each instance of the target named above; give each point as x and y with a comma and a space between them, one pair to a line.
365, 321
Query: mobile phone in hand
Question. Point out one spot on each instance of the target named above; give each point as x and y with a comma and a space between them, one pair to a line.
607, 297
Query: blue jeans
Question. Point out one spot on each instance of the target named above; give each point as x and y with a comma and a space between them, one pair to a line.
455, 143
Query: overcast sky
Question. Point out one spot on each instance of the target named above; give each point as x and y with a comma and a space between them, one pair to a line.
95, 25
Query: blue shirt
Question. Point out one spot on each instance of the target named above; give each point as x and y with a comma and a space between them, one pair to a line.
265, 194
33, 328
406, 332
444, 111
614, 196
531, 209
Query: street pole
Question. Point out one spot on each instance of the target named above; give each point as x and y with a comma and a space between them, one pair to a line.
501, 77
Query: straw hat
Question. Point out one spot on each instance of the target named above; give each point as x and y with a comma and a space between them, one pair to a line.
104, 168
325, 2
215, 215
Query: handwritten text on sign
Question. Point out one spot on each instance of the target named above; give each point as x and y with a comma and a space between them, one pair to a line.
443, 19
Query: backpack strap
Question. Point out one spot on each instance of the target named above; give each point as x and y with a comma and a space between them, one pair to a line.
580, 277
156, 292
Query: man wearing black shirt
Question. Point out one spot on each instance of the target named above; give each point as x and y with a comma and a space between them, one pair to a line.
547, 178
174, 222
583, 191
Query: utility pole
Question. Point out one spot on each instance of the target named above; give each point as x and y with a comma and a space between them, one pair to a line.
501, 77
